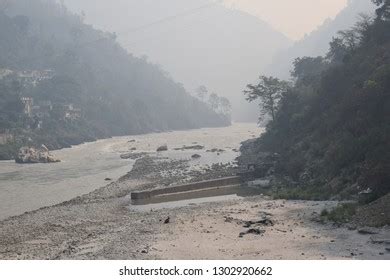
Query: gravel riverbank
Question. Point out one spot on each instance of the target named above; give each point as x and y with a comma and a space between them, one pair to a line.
100, 225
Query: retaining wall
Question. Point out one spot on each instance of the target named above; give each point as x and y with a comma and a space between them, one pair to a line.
188, 187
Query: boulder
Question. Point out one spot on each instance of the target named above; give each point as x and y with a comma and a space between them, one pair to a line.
162, 148
35, 155
196, 156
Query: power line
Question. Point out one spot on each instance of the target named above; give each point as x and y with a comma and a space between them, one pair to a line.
173, 17
136, 29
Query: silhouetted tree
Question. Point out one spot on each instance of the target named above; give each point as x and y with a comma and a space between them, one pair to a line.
307, 69
383, 11
226, 106
214, 101
269, 91
202, 92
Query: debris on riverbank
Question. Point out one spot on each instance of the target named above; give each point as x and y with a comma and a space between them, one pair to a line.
194, 147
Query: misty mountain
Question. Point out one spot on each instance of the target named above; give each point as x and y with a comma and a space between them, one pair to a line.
316, 43
96, 89
199, 42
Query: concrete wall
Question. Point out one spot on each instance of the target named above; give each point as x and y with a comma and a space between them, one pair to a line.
188, 187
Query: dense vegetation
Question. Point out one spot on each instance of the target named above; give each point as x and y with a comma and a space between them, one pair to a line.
117, 93
316, 43
332, 127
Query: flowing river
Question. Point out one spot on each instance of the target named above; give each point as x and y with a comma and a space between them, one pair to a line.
85, 167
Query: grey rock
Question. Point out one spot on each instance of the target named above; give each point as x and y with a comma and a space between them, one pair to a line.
162, 148
367, 231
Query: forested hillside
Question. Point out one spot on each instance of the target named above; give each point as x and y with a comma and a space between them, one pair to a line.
316, 43
106, 91
331, 132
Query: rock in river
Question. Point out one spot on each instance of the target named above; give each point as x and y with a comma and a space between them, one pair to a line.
35, 155
162, 148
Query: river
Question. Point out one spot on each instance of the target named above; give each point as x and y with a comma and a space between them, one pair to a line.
85, 167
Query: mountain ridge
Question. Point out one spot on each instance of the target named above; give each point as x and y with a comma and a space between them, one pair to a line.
117, 93
316, 42
217, 47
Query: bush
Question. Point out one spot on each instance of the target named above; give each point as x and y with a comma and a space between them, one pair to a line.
341, 214
8, 151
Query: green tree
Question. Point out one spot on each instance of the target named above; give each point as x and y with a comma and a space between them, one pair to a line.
202, 92
214, 101
226, 106
383, 11
307, 69
269, 91
348, 41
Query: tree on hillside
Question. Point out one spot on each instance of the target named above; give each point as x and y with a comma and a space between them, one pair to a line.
383, 11
348, 41
214, 101
307, 69
269, 91
202, 92
11, 108
226, 106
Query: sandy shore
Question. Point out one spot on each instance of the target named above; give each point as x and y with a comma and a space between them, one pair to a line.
99, 225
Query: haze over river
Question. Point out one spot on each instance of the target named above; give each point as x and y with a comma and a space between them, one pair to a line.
84, 168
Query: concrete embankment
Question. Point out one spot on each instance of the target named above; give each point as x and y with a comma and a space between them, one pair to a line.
234, 180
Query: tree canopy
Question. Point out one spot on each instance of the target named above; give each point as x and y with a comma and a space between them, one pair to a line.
269, 91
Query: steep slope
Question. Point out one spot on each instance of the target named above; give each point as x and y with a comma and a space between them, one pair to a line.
332, 130
316, 43
116, 92
214, 45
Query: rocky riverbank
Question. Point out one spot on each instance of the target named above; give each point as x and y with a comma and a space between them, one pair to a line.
100, 225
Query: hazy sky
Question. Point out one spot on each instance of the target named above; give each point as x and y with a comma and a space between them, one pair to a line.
294, 18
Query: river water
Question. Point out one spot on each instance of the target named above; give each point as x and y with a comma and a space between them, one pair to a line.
83, 168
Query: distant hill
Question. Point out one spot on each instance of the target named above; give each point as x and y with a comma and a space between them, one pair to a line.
213, 45
113, 92
316, 43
